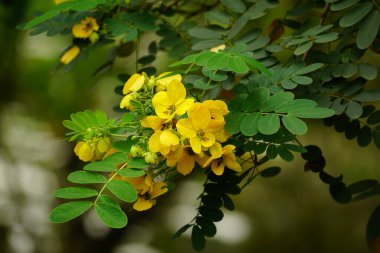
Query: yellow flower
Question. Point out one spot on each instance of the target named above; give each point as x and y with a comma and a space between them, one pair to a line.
184, 158
134, 83
70, 55
85, 151
164, 138
222, 157
172, 102
147, 191
85, 28
200, 128
163, 82
217, 108
218, 48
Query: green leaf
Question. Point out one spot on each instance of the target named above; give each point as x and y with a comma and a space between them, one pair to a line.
249, 124
325, 38
128, 172
272, 151
123, 146
69, 211
302, 79
354, 110
75, 193
255, 99
137, 163
285, 154
364, 136
374, 118
219, 16
343, 4
368, 71
294, 124
116, 158
100, 166
234, 5
107, 199
38, 20
111, 216
204, 33
368, 30
86, 177
362, 185
276, 101
206, 44
128, 118
269, 124
208, 227
217, 62
308, 69
237, 65
303, 48
288, 84
368, 96
181, 231
101, 118
270, 172
340, 193
73, 126
373, 226
123, 190
255, 64
233, 122
355, 14
198, 239
314, 113
238, 26
296, 106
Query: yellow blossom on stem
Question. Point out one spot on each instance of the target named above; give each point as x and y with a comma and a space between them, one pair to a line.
85, 151
183, 158
172, 102
200, 128
85, 28
163, 82
134, 83
70, 55
217, 108
148, 190
222, 157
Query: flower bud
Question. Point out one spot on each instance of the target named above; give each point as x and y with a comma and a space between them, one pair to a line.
103, 145
151, 158
94, 37
85, 151
136, 150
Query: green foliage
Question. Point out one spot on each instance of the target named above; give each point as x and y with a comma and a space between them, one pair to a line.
273, 85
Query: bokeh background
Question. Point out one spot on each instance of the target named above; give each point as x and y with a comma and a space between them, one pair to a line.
292, 212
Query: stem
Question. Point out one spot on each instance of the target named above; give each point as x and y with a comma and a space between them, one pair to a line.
109, 180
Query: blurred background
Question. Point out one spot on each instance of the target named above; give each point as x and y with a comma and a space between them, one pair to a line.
292, 212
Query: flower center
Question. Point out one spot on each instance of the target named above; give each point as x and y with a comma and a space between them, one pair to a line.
171, 109
88, 27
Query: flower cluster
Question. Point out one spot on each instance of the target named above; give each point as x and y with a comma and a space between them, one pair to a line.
184, 132
93, 149
86, 29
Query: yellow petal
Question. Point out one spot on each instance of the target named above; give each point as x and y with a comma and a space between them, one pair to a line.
217, 167
208, 140
176, 92
216, 150
70, 55
215, 126
154, 142
231, 163
159, 188
86, 152
166, 80
196, 145
126, 101
186, 164
143, 205
164, 108
153, 122
134, 83
200, 116
217, 108
168, 138
184, 106
185, 128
